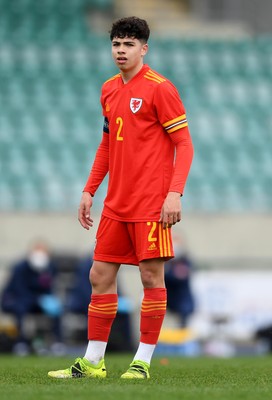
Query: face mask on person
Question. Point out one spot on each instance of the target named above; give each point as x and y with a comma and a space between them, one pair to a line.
38, 260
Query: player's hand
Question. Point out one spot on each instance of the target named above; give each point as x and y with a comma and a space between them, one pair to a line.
171, 210
84, 210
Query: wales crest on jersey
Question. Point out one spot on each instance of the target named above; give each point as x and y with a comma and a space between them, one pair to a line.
135, 104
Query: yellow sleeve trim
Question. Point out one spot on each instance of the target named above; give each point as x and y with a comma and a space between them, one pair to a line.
177, 127
173, 121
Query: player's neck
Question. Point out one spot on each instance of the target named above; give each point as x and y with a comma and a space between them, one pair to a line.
129, 74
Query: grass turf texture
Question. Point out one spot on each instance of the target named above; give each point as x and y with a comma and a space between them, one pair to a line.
172, 378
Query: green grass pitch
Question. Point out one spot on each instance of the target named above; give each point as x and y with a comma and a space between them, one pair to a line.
171, 378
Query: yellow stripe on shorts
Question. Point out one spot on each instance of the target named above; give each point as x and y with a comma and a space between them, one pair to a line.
164, 242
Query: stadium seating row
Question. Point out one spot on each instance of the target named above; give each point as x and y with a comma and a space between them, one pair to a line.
50, 120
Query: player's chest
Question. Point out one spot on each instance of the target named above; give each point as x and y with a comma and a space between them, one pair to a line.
133, 104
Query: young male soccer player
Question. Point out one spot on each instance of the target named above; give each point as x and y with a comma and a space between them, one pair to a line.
147, 150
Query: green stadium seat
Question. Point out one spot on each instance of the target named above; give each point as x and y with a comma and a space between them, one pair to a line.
51, 73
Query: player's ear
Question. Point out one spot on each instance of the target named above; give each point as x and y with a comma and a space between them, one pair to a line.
144, 49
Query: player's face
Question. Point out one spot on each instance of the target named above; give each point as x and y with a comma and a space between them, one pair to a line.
128, 53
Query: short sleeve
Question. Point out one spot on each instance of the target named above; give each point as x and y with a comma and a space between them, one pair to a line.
169, 107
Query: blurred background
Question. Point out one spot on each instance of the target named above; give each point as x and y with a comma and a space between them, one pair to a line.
54, 57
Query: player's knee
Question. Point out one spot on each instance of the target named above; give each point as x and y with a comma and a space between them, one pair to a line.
152, 274
150, 279
95, 277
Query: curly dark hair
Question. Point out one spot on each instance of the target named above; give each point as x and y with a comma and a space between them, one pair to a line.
132, 27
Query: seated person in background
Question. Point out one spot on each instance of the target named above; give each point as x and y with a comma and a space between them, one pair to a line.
178, 270
30, 290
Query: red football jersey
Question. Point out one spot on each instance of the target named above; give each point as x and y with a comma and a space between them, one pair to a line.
140, 116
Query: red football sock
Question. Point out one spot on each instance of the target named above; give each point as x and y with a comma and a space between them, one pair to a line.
101, 313
152, 314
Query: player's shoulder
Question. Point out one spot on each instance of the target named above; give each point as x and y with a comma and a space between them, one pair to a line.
156, 79
112, 81
154, 76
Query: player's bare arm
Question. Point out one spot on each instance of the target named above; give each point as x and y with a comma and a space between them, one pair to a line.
84, 215
171, 210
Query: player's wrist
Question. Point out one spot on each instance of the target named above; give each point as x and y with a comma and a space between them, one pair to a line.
89, 193
174, 194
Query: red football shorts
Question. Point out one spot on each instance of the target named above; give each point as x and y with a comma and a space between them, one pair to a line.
132, 242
